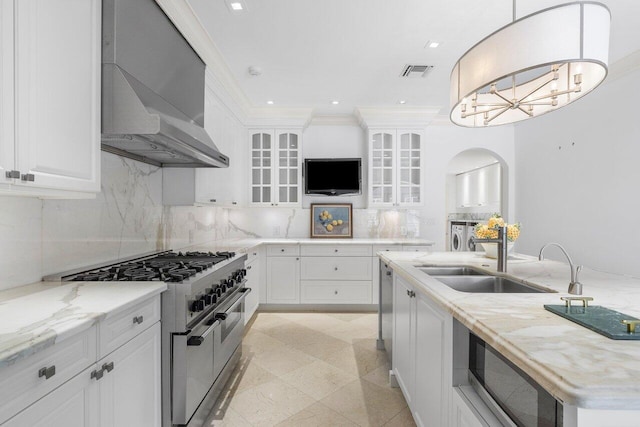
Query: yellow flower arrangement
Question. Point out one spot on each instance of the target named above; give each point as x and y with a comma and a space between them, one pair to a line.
490, 230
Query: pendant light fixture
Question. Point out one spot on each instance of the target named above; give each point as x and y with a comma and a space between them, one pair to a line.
534, 65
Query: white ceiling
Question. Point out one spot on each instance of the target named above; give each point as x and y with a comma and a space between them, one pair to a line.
314, 51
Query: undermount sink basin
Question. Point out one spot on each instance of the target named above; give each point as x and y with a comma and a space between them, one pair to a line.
452, 271
486, 285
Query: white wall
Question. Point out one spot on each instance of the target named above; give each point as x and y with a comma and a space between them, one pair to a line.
578, 179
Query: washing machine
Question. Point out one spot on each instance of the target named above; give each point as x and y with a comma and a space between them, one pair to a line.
471, 231
458, 237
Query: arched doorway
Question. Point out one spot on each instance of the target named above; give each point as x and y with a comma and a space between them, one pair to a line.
476, 187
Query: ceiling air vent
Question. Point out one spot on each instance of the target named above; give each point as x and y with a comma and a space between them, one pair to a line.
416, 70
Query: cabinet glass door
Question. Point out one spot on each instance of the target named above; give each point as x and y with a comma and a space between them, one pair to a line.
409, 170
382, 159
288, 168
261, 167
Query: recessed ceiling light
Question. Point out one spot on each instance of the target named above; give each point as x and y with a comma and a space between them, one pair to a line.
402, 101
270, 102
432, 44
335, 102
236, 6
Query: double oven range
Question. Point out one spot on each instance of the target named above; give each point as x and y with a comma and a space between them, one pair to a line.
202, 323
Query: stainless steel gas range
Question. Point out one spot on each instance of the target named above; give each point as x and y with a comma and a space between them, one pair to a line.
202, 323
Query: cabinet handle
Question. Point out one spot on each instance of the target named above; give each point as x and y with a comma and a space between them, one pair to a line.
47, 372
412, 294
388, 273
408, 293
138, 320
249, 268
28, 177
12, 174
107, 367
212, 200
97, 374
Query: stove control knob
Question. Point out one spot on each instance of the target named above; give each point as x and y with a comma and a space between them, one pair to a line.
244, 272
208, 299
197, 305
219, 292
214, 299
223, 282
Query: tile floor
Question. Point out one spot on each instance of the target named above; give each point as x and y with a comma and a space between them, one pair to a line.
311, 369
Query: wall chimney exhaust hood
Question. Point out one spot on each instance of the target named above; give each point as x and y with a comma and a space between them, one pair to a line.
152, 89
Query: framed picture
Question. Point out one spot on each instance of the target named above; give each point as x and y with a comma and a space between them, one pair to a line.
332, 220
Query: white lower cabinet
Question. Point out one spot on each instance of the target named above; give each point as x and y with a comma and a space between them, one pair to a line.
130, 388
462, 414
254, 278
283, 280
65, 385
422, 356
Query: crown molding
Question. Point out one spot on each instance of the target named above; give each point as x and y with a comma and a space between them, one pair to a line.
624, 66
395, 116
334, 120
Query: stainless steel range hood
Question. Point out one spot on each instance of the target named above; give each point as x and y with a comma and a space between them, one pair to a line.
152, 89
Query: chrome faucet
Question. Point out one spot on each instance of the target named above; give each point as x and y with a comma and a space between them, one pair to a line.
575, 287
501, 240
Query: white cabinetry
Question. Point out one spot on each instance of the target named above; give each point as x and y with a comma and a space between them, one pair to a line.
276, 172
254, 281
50, 98
422, 356
395, 160
212, 186
66, 384
335, 274
283, 274
479, 187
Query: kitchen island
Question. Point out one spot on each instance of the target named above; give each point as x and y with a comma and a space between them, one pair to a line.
595, 377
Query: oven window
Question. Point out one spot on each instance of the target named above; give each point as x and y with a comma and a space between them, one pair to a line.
526, 403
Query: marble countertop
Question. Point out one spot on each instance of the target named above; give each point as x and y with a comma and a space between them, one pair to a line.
576, 365
243, 245
36, 316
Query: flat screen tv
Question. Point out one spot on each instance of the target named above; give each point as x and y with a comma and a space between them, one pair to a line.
332, 177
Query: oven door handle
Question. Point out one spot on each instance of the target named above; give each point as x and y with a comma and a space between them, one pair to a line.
199, 339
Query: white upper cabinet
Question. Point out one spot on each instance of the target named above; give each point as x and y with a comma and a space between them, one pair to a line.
212, 186
479, 187
395, 167
276, 173
50, 80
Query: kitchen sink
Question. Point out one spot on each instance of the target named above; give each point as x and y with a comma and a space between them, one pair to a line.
487, 285
452, 271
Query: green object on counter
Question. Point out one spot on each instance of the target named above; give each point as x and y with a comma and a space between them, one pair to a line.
599, 319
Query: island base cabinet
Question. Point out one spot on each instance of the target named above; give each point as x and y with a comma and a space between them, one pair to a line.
422, 354
74, 404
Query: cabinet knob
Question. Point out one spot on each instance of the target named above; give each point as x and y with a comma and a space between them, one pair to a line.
335, 268
212, 200
335, 250
47, 372
138, 320
335, 292
12, 174
297, 259
281, 250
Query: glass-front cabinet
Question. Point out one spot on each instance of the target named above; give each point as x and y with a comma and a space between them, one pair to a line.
395, 175
276, 172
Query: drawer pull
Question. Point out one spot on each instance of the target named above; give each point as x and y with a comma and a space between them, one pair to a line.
108, 367
138, 320
27, 177
97, 374
335, 292
12, 174
47, 372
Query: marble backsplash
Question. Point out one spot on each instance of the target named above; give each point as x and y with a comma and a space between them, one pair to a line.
128, 218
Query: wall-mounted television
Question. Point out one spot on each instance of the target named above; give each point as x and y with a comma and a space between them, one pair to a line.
332, 177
